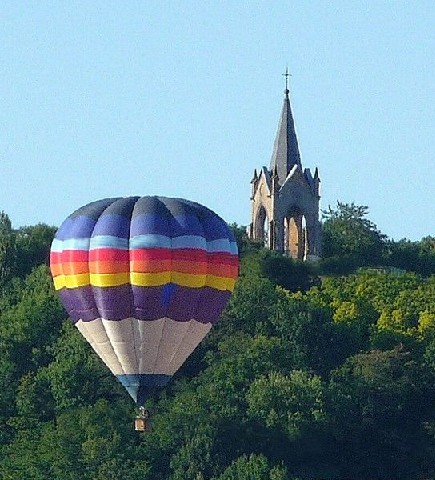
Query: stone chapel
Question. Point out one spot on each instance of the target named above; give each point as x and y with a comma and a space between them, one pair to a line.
285, 197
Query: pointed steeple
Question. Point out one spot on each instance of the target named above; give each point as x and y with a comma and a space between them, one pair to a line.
286, 150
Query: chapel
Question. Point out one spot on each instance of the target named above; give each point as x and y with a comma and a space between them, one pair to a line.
285, 197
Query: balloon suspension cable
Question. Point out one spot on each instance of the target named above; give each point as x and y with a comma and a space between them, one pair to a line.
142, 422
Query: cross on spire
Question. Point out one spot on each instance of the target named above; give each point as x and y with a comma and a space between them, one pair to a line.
286, 75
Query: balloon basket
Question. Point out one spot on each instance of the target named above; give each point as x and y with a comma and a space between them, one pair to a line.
142, 422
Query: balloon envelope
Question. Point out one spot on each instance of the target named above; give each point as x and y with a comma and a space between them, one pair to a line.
144, 279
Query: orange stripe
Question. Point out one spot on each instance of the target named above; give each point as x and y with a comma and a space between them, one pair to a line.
75, 268
203, 268
223, 270
197, 268
56, 269
150, 266
164, 266
109, 267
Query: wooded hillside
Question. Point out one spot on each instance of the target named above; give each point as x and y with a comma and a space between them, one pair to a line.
322, 371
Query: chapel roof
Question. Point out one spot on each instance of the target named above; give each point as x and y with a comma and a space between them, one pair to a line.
286, 150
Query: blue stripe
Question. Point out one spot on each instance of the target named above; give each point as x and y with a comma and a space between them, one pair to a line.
139, 386
150, 241
189, 241
108, 241
70, 244
220, 245
234, 249
144, 241
162, 241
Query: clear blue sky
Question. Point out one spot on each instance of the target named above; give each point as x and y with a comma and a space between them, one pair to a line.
182, 98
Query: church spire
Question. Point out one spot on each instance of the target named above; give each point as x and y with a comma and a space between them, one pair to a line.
286, 150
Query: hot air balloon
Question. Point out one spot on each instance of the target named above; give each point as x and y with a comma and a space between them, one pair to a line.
144, 279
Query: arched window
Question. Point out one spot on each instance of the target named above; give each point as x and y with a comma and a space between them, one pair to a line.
262, 227
295, 234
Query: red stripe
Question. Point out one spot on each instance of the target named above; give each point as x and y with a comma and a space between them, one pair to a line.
141, 255
69, 256
108, 255
111, 254
227, 258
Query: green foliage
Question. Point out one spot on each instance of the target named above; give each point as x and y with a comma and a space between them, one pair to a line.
24, 249
339, 264
296, 381
347, 231
291, 402
385, 394
32, 247
253, 467
351, 240
28, 326
416, 257
88, 443
290, 274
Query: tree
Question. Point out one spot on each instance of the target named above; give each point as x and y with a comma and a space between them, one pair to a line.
77, 375
378, 406
254, 467
33, 247
7, 249
416, 257
288, 273
29, 326
347, 232
290, 403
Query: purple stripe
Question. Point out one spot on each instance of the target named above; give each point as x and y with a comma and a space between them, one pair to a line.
211, 304
183, 303
77, 227
149, 223
79, 303
114, 303
215, 228
149, 302
112, 224
185, 225
144, 303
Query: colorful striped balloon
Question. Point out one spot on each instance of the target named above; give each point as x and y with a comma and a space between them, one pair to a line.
144, 279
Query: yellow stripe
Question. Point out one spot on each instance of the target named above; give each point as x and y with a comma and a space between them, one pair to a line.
71, 281
182, 279
143, 280
149, 279
220, 283
109, 279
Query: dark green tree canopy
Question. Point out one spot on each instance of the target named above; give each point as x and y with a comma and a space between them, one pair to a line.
348, 232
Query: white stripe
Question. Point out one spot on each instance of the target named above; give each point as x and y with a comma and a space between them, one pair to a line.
192, 337
95, 334
149, 349
132, 346
172, 335
123, 341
